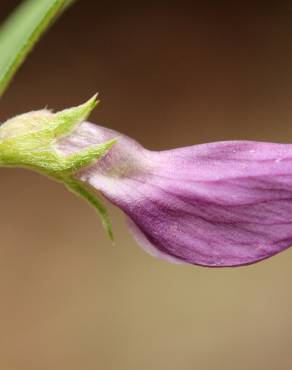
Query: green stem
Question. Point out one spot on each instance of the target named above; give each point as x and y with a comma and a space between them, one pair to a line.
21, 32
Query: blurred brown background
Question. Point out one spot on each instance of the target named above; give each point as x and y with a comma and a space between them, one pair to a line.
169, 74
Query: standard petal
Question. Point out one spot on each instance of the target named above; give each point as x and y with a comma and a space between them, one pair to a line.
218, 204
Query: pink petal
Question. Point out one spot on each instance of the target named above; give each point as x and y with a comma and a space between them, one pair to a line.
218, 204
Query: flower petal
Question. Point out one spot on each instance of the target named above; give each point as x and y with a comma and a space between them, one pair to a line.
219, 204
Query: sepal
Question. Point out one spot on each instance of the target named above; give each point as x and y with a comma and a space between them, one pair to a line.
30, 140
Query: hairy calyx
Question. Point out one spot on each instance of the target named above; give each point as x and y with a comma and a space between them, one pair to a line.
30, 140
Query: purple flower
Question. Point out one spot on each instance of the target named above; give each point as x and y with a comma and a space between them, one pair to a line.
218, 204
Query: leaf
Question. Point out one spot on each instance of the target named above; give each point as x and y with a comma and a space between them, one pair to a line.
21, 31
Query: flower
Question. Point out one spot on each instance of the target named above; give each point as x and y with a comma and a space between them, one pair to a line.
218, 204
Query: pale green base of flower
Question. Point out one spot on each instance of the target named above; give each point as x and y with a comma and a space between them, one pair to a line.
29, 140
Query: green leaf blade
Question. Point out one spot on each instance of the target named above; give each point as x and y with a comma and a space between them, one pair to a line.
21, 31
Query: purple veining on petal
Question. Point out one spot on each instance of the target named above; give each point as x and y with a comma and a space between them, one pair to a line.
218, 204
147, 246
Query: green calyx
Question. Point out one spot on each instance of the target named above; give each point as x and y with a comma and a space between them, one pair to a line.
29, 140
